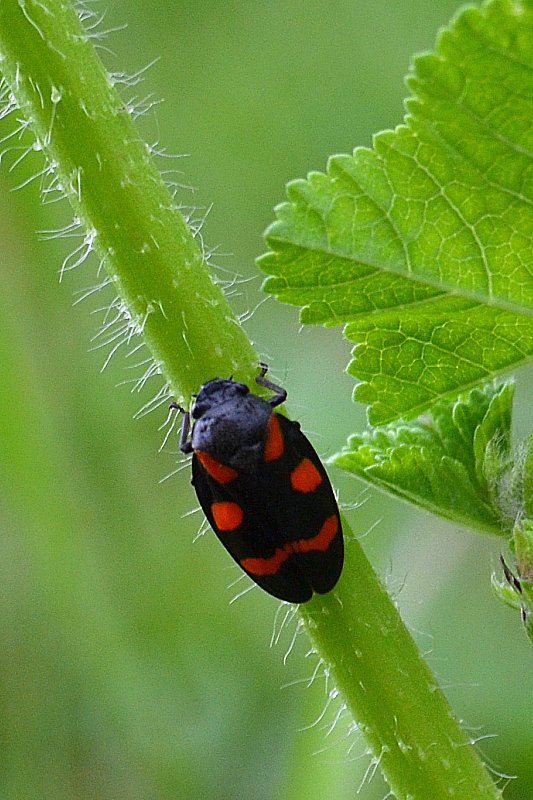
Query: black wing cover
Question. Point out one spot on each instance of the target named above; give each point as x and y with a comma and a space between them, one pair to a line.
289, 541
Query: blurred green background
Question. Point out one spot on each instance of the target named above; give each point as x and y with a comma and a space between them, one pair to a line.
125, 672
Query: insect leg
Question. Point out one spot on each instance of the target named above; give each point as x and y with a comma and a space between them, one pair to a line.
184, 445
280, 393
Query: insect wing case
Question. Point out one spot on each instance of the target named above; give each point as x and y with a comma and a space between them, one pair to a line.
265, 493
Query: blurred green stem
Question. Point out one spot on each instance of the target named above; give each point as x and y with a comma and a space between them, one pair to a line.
107, 173
160, 274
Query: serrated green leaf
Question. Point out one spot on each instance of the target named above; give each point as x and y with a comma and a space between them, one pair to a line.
423, 245
438, 462
494, 430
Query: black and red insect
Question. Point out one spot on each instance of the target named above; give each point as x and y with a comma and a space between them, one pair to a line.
263, 489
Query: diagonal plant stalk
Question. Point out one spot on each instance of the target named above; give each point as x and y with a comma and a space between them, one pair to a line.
59, 85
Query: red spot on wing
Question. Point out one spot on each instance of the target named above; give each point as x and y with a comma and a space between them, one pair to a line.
274, 440
320, 542
266, 566
219, 472
227, 515
323, 538
305, 477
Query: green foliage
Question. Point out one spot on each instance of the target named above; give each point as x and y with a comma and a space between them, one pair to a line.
515, 500
517, 590
449, 462
103, 646
422, 245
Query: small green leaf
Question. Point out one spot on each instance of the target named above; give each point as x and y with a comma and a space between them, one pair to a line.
506, 592
439, 462
516, 591
422, 246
